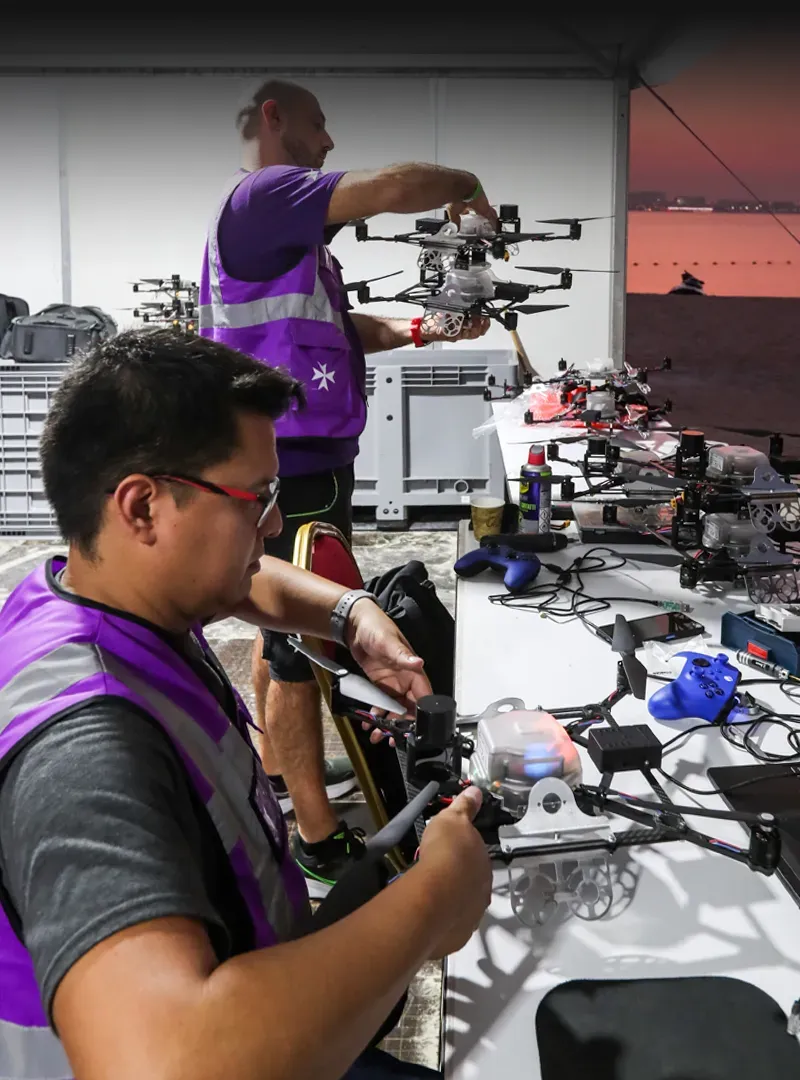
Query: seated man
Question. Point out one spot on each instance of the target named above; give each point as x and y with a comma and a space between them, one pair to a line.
153, 922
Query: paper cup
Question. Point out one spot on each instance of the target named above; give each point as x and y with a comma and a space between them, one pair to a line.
487, 515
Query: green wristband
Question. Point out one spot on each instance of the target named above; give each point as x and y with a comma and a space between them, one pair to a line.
478, 191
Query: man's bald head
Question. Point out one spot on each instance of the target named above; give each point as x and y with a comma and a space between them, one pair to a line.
287, 123
285, 94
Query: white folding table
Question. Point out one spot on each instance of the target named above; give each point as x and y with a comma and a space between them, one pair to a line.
678, 910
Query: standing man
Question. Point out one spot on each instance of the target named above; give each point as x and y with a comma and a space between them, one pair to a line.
271, 288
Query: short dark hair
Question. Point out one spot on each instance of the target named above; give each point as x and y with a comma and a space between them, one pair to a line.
152, 401
248, 120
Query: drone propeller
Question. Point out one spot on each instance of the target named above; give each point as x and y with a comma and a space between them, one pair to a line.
521, 237
354, 285
625, 643
570, 220
562, 269
351, 685
532, 309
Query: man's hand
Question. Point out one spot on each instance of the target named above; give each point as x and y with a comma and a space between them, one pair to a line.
480, 205
452, 847
384, 655
473, 327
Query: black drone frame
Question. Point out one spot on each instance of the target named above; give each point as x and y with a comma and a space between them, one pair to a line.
434, 769
422, 293
469, 251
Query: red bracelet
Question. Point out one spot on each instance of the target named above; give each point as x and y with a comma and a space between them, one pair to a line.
416, 333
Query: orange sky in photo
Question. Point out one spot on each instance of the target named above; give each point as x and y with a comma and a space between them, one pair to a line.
744, 100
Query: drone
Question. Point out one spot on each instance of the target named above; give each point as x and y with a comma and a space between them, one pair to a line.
733, 509
600, 398
536, 810
179, 310
456, 282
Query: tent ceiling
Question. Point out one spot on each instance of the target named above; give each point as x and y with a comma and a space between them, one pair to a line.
536, 48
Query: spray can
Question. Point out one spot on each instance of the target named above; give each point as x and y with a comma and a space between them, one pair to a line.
535, 492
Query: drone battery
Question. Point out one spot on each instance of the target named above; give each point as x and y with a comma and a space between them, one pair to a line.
602, 402
624, 749
738, 462
515, 749
729, 531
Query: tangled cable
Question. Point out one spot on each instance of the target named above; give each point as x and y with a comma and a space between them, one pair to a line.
563, 600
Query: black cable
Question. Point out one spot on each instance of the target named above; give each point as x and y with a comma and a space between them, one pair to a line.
716, 157
546, 597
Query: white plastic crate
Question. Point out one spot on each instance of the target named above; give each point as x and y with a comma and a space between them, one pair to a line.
418, 448
26, 392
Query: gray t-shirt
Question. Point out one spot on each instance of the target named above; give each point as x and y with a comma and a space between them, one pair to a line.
101, 829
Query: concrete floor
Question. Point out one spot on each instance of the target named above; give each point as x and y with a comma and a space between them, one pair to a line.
416, 1038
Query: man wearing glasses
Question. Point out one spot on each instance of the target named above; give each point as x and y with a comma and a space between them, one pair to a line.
152, 920
271, 288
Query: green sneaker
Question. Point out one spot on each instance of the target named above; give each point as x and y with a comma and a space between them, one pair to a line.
339, 780
325, 862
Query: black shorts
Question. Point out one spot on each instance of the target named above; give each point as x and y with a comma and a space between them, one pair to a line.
324, 497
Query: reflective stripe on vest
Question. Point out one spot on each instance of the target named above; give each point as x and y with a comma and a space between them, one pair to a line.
316, 306
31, 1053
225, 766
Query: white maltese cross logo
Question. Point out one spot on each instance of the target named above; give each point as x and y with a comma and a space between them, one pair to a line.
324, 376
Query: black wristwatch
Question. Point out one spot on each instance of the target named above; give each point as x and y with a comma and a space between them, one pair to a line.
341, 613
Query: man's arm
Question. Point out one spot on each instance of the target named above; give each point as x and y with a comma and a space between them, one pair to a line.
379, 334
406, 189
153, 1002
288, 599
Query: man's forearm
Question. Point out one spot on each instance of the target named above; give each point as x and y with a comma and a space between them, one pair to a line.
346, 1011
284, 597
378, 334
419, 186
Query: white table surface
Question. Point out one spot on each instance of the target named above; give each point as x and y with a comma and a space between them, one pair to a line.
678, 911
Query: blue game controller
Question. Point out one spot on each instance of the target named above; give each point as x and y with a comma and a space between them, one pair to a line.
706, 689
519, 568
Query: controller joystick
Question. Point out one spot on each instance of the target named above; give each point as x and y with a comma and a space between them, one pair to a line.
519, 568
705, 688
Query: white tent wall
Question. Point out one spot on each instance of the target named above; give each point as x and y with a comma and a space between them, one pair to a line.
114, 177
30, 207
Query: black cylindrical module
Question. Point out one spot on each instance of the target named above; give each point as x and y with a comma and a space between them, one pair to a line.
508, 212
692, 443
436, 722
765, 845
596, 446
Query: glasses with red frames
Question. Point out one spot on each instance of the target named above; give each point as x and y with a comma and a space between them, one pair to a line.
267, 501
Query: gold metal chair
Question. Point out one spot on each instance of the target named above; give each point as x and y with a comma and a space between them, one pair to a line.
323, 549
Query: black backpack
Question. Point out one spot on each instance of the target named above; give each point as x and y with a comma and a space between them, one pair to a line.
11, 307
408, 596
56, 334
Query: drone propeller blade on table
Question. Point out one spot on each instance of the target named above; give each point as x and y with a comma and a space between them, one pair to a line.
533, 309
625, 643
351, 685
562, 269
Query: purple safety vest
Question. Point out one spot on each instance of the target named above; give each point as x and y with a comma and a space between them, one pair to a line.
56, 654
295, 322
